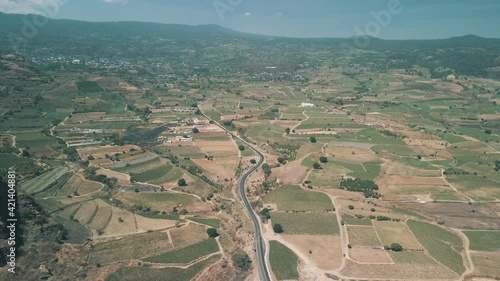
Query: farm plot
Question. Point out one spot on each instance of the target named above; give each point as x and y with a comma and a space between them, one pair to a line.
363, 236
86, 212
329, 176
88, 187
148, 224
164, 201
214, 168
43, 181
188, 235
121, 222
484, 240
164, 274
187, 254
71, 186
396, 232
323, 250
283, 261
153, 174
294, 198
443, 245
102, 216
139, 167
350, 220
307, 223
54, 187
369, 255
218, 149
420, 265
129, 247
215, 223
486, 264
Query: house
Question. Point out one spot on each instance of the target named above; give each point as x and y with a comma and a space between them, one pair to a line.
305, 104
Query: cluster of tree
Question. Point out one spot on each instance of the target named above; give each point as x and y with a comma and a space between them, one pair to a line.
241, 260
212, 232
367, 187
265, 212
266, 169
396, 247
72, 154
90, 174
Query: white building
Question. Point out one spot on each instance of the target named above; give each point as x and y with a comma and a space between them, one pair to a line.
305, 104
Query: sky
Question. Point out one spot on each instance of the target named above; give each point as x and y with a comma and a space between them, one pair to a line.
387, 19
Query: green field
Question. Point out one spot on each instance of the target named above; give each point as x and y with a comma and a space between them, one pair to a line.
163, 274
187, 254
442, 245
294, 198
283, 261
215, 223
159, 201
484, 240
306, 223
8, 160
152, 174
350, 220
43, 181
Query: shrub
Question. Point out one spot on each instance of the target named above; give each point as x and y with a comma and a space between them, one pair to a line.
313, 139
396, 247
277, 228
323, 159
212, 232
182, 182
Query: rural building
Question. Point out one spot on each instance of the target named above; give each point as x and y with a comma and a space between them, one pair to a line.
305, 104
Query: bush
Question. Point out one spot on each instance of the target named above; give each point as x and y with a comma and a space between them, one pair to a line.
396, 247
182, 182
212, 232
489, 132
313, 139
323, 159
241, 260
351, 207
317, 166
241, 147
277, 228
196, 131
265, 212
253, 161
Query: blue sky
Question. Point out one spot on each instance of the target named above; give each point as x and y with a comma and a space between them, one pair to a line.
413, 19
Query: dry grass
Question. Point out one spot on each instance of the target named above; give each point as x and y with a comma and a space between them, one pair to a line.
323, 250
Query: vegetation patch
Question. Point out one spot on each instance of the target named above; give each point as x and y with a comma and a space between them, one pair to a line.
484, 240
443, 245
187, 254
306, 223
283, 261
294, 198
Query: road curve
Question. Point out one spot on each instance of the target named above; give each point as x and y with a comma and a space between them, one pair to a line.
259, 243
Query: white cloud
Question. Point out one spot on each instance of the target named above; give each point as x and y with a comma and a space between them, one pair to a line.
47, 8
247, 14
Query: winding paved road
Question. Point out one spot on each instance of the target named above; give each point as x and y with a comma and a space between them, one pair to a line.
259, 242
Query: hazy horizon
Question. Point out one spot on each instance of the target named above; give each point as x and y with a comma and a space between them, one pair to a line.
385, 19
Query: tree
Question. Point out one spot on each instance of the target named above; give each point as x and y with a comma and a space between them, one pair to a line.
287, 131
396, 247
265, 212
489, 132
253, 161
351, 207
195, 130
317, 166
241, 260
313, 139
241, 147
323, 159
212, 232
26, 154
182, 182
277, 228
419, 157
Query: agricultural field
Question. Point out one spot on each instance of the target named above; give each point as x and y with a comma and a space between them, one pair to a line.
441, 244
306, 223
484, 240
283, 261
187, 254
294, 198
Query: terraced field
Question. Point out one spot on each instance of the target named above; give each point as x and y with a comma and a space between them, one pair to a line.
294, 198
43, 181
